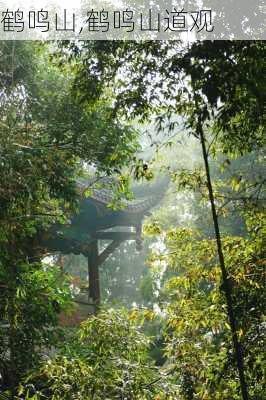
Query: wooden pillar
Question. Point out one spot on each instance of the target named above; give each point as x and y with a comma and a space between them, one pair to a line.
138, 237
93, 272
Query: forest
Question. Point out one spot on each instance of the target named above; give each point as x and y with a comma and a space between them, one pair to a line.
132, 220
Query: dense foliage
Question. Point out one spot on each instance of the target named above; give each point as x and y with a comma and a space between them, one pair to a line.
46, 137
65, 111
192, 297
107, 359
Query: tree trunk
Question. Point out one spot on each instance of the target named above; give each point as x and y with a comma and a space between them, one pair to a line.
226, 284
12, 333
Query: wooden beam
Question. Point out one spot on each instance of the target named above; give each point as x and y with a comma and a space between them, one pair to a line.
108, 251
115, 236
93, 272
